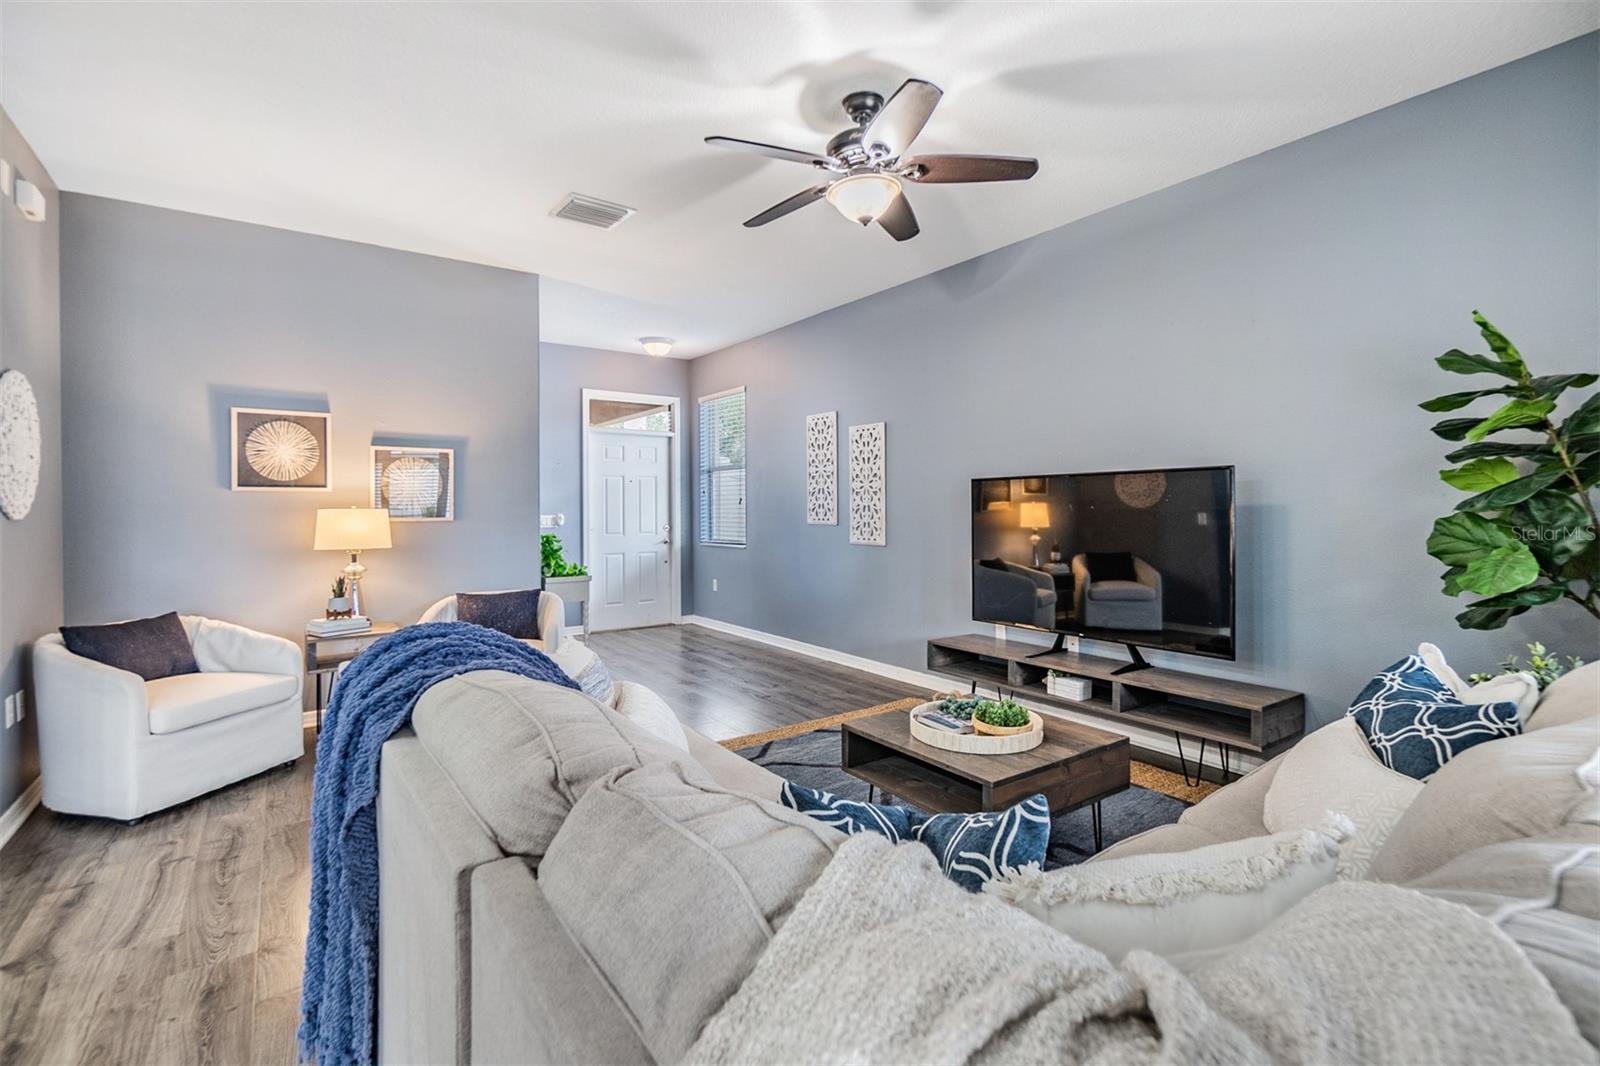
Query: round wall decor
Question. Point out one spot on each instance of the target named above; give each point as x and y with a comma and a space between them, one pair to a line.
1140, 490
19, 444
281, 450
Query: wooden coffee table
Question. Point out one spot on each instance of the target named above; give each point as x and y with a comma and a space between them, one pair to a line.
1075, 766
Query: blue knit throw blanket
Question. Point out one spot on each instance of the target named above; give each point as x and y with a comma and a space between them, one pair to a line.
371, 702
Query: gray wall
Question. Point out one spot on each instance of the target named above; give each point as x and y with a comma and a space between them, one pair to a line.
171, 318
30, 550
564, 372
1280, 314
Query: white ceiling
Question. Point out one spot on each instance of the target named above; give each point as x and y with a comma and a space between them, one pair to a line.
453, 129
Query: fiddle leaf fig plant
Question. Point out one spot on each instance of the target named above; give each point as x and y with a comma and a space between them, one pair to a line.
1525, 536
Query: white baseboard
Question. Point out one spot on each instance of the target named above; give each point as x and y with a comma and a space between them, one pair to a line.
18, 812
1148, 739
919, 678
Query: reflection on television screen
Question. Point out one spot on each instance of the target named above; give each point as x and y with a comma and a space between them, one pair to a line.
1143, 557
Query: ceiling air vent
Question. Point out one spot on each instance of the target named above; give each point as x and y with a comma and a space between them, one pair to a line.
590, 211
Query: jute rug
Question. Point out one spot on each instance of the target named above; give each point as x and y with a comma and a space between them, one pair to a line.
1142, 774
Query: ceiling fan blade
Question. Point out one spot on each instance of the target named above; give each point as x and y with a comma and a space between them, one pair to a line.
793, 203
947, 169
900, 222
893, 129
792, 155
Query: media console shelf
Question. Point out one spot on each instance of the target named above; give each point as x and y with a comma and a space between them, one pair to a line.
1234, 715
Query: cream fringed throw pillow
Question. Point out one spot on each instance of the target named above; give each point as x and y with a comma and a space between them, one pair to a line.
1179, 903
1335, 770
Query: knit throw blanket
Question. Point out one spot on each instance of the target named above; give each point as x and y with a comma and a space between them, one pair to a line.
371, 702
885, 960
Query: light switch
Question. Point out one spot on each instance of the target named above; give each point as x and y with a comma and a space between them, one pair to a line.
11, 710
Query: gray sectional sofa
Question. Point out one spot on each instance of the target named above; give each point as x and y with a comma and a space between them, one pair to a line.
560, 886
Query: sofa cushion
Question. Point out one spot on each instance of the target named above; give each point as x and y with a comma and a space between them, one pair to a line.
1522, 786
971, 849
650, 713
1162, 840
733, 772
150, 647
1110, 566
523, 751
513, 613
1121, 591
580, 663
1544, 893
1519, 688
186, 700
1334, 770
674, 888
1415, 723
1235, 811
1199, 900
1573, 697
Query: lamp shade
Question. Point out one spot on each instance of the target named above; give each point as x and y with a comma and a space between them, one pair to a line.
1034, 515
350, 529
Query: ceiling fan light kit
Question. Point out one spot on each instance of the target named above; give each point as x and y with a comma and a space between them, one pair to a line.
864, 197
868, 166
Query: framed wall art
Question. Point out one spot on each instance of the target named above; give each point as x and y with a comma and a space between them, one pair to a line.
280, 451
868, 515
822, 469
415, 484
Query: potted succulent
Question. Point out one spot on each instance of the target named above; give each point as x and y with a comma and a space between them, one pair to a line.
339, 602
1001, 718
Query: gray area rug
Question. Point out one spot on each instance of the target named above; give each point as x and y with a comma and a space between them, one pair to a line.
812, 760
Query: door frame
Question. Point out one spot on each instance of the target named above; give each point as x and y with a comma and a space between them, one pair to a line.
675, 488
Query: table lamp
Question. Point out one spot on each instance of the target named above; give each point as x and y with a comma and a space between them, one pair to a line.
1035, 516
353, 530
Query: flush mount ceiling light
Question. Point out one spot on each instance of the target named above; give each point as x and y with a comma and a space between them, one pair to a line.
865, 197
656, 345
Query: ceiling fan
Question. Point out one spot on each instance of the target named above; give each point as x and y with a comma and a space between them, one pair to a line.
867, 165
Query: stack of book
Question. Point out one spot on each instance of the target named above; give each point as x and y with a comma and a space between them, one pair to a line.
1068, 688
338, 627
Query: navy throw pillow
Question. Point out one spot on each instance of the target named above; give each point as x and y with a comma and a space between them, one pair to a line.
515, 614
150, 647
1110, 566
970, 848
1415, 724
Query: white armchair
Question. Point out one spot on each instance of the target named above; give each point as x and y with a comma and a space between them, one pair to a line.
114, 745
552, 619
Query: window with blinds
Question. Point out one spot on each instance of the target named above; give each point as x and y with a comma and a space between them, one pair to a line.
721, 454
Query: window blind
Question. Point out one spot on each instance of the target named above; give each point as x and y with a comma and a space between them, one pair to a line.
721, 460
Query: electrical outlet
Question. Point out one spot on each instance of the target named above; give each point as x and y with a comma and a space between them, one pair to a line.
22, 704
11, 710
713, 584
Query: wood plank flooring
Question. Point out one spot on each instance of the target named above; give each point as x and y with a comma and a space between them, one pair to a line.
180, 940
724, 686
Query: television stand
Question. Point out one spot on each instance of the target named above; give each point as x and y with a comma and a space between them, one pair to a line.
1139, 662
1237, 716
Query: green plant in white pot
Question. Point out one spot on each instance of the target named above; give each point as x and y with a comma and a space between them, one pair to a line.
1525, 535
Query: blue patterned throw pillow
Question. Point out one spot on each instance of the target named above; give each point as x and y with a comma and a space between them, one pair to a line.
970, 848
1415, 724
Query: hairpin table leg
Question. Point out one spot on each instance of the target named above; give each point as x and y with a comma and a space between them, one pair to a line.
1095, 819
1199, 763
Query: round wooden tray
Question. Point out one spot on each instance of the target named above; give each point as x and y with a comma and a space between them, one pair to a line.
977, 743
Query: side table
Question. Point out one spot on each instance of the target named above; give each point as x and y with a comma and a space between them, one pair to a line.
325, 654
572, 590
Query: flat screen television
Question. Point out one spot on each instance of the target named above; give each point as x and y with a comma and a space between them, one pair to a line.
1141, 557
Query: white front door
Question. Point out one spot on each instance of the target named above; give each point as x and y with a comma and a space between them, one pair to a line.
630, 511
